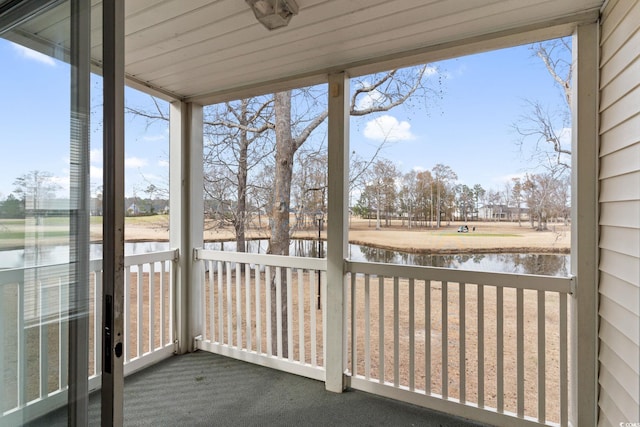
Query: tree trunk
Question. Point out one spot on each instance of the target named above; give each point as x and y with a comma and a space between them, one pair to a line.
239, 222
279, 241
378, 214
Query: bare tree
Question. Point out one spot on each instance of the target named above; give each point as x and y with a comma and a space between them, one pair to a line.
424, 189
34, 187
545, 194
465, 200
238, 140
516, 196
478, 195
545, 125
409, 196
443, 177
383, 184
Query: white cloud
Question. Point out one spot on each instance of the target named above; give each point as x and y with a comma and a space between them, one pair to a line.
163, 163
96, 156
431, 71
369, 100
63, 183
388, 128
135, 162
153, 138
33, 55
418, 169
95, 172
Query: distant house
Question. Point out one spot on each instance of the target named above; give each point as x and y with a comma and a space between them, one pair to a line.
133, 209
501, 212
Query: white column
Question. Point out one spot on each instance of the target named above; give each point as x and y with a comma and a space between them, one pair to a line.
584, 227
337, 230
186, 217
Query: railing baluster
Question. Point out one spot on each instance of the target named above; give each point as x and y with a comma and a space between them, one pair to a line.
22, 355
312, 311
139, 317
323, 303
172, 298
481, 346
60, 316
43, 370
396, 331
354, 328
520, 351
412, 336
267, 292
279, 311
127, 315
152, 307
289, 313
381, 329
163, 314
3, 344
427, 337
301, 323
227, 272
542, 370
220, 274
445, 340
64, 342
212, 302
238, 305
345, 322
247, 292
564, 365
462, 327
500, 349
367, 327
256, 273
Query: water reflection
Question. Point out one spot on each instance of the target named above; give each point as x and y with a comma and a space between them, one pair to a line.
545, 264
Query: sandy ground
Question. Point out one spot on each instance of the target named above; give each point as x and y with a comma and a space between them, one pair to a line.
488, 237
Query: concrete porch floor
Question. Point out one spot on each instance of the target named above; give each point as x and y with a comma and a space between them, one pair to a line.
204, 389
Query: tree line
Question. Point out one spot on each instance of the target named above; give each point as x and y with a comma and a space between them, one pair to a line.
428, 198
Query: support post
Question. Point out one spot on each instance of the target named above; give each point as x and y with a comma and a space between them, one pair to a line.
186, 217
337, 230
584, 227
113, 214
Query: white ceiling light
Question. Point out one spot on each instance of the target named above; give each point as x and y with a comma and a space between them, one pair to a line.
273, 13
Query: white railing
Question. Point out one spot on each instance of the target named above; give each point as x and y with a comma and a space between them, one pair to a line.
487, 346
34, 319
264, 309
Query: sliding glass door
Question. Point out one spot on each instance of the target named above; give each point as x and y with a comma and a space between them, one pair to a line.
47, 298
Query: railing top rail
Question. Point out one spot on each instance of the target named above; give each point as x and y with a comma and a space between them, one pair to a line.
16, 275
170, 255
507, 280
263, 259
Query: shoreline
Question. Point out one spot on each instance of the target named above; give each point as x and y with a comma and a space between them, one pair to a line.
416, 251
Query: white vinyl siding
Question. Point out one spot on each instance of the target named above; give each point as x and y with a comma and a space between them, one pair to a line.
619, 306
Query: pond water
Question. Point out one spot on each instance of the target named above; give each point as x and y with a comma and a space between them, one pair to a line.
546, 264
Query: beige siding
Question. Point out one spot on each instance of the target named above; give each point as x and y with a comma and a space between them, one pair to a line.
619, 199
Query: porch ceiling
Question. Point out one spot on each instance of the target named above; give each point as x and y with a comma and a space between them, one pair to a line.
199, 49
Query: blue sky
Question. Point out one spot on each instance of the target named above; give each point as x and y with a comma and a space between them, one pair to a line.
469, 128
